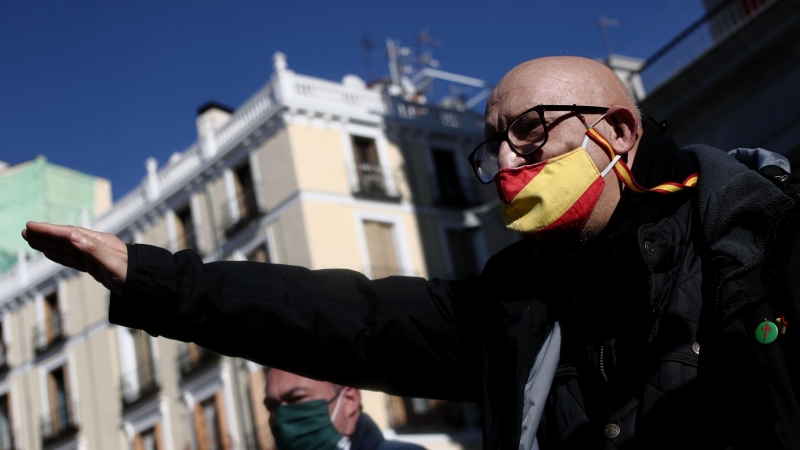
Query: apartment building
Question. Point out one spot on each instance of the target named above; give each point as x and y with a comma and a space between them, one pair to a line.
729, 80
40, 190
307, 172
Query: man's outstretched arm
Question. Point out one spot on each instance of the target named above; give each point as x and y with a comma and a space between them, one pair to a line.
401, 335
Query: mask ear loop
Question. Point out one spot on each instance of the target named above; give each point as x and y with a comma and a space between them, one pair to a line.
586, 141
338, 403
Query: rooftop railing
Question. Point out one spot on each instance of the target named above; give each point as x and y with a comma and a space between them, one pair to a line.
436, 115
714, 27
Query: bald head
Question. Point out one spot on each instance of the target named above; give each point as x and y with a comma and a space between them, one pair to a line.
558, 80
568, 80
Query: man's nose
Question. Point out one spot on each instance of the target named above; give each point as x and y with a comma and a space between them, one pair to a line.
508, 158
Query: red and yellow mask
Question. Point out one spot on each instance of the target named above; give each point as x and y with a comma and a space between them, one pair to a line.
553, 199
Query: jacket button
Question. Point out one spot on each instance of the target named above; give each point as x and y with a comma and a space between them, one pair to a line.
696, 348
611, 431
648, 247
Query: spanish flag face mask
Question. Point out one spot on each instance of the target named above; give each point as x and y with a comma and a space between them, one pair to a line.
553, 199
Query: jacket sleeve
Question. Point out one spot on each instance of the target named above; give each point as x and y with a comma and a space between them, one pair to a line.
402, 335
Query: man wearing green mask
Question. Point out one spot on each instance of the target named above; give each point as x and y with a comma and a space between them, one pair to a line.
307, 414
587, 333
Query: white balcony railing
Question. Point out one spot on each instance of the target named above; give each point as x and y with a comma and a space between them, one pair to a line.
285, 89
316, 89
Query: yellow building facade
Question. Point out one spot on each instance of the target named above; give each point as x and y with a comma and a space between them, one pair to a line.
307, 172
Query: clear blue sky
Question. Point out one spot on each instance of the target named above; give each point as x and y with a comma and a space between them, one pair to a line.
99, 86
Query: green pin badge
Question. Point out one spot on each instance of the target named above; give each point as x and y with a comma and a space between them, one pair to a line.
766, 332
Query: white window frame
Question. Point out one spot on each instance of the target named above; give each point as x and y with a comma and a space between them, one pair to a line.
381, 145
204, 387
398, 235
61, 294
147, 416
61, 360
127, 354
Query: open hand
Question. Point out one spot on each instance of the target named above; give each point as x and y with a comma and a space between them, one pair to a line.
102, 255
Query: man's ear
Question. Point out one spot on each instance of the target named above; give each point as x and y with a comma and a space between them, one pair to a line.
351, 401
623, 125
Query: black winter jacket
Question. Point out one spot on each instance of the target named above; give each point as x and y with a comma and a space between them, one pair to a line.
720, 263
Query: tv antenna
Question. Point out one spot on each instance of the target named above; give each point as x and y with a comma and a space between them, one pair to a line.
603, 23
367, 44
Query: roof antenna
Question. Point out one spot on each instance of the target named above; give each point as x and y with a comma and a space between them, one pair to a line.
603, 23
367, 44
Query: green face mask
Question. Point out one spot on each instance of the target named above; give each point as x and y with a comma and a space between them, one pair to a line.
306, 426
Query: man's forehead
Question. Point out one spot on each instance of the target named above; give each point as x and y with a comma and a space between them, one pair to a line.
523, 91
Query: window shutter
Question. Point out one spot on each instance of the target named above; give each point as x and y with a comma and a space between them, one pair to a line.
137, 442
258, 384
52, 390
157, 433
200, 427
223, 422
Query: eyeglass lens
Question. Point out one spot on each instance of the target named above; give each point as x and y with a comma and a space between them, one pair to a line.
527, 134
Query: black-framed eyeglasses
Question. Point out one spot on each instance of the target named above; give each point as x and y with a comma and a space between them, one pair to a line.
525, 135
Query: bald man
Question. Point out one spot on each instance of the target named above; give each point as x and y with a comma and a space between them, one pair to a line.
653, 302
307, 414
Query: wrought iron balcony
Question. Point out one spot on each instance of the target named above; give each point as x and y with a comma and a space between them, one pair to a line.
139, 384
60, 424
47, 336
193, 359
245, 212
374, 182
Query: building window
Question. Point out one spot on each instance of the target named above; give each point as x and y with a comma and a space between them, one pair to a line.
463, 256
211, 429
3, 350
370, 177
192, 358
149, 439
245, 191
141, 381
184, 229
452, 189
246, 200
61, 420
6, 425
51, 331
382, 253
261, 436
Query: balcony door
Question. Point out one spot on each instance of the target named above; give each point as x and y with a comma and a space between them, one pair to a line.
448, 179
144, 359
52, 318
210, 425
368, 166
59, 399
245, 191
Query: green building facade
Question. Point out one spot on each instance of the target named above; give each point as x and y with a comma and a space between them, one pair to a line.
41, 191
